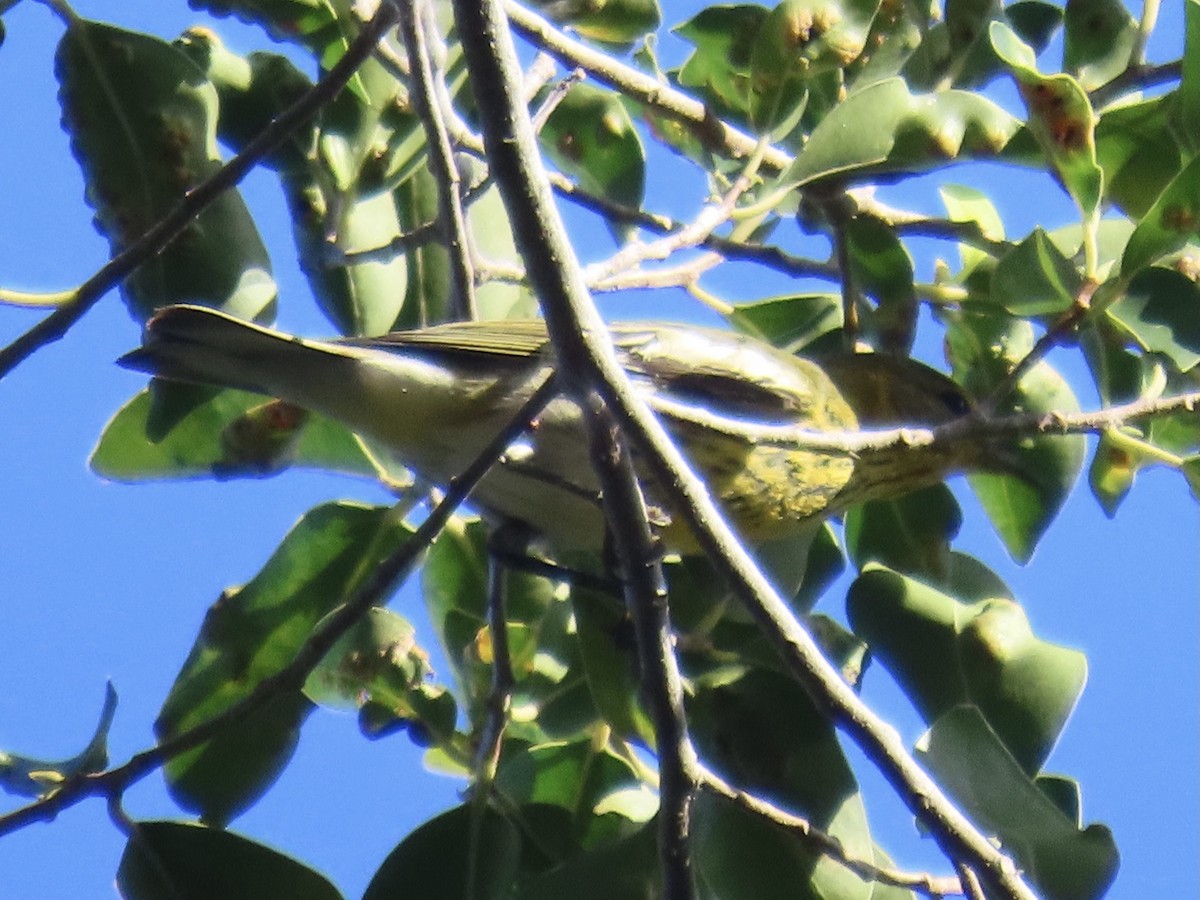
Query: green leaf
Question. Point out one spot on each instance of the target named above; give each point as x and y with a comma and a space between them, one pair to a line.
606, 645
761, 731
323, 27
945, 653
1060, 118
179, 860
1138, 152
141, 117
1030, 481
885, 128
794, 322
1034, 279
469, 851
251, 633
177, 431
882, 268
1168, 224
1111, 474
1161, 309
1186, 113
253, 90
627, 867
38, 778
741, 856
1100, 37
957, 51
574, 775
911, 534
378, 654
591, 138
616, 22
799, 40
1062, 861
719, 67
964, 204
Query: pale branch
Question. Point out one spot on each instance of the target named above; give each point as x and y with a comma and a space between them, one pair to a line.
971, 887
539, 74
639, 86
374, 589
685, 275
826, 844
555, 97
159, 236
587, 362
452, 222
968, 428
645, 589
711, 217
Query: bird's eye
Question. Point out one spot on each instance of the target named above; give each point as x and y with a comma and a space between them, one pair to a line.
956, 403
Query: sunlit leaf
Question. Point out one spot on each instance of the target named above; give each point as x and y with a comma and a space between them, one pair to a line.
1034, 279
172, 432
1060, 117
249, 634
142, 121
591, 137
1059, 858
885, 128
945, 653
1100, 35
1172, 219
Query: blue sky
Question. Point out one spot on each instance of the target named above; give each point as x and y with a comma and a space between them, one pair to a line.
103, 581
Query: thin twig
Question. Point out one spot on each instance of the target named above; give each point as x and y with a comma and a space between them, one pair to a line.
828, 845
159, 237
711, 217
452, 222
967, 428
557, 95
382, 580
639, 86
1136, 78
588, 362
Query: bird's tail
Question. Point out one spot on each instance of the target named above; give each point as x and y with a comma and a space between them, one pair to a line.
206, 346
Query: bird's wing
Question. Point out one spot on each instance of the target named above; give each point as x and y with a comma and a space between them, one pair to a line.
509, 338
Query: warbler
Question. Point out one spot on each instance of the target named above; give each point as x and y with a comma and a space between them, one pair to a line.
436, 396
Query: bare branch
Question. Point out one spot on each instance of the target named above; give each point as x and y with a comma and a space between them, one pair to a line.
587, 362
828, 845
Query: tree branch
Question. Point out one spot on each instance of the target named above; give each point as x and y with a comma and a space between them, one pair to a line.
828, 845
588, 362
645, 591
382, 580
159, 237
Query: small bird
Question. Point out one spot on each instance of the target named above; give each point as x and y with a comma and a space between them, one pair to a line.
436, 396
